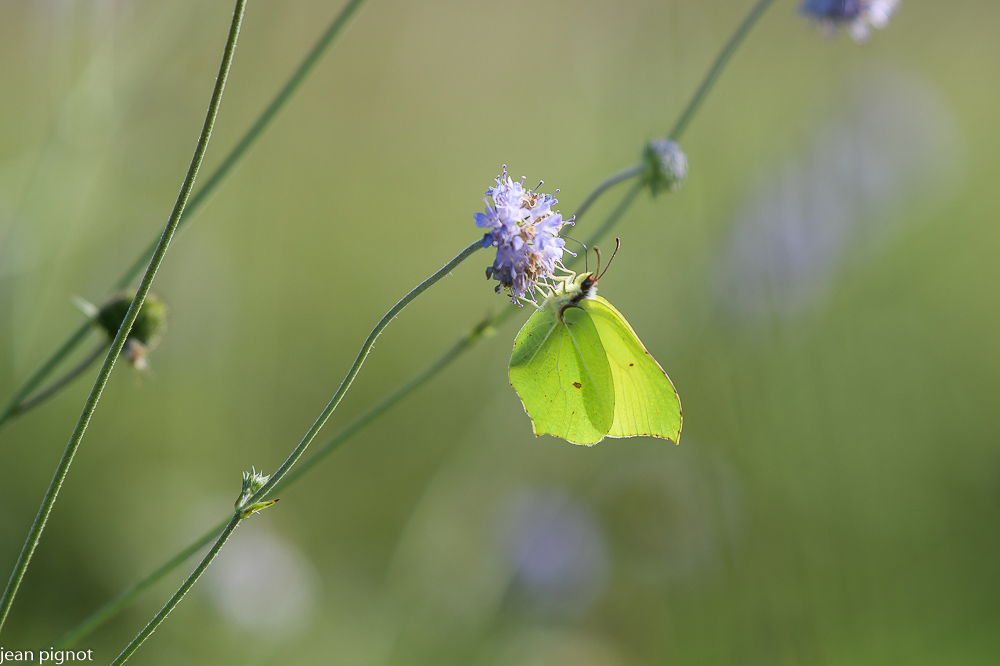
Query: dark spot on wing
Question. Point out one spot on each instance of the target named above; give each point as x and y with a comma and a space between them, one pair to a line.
578, 384
631, 364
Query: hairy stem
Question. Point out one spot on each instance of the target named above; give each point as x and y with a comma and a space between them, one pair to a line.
62, 469
356, 367
181, 591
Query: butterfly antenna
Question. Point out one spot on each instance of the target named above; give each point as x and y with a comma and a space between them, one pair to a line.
597, 251
618, 245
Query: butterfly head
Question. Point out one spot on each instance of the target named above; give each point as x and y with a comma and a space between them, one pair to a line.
585, 284
587, 287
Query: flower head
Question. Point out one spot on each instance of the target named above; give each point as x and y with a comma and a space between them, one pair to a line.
523, 228
666, 165
858, 15
146, 331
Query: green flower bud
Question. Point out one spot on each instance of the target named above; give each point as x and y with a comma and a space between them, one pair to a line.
146, 331
253, 481
666, 165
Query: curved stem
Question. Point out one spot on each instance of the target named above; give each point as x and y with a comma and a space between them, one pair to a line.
356, 367
70, 375
200, 197
616, 214
411, 385
181, 591
613, 179
720, 63
62, 469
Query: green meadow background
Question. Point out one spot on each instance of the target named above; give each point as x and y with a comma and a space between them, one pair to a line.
822, 290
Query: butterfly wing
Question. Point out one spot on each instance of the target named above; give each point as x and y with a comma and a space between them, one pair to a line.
646, 402
561, 373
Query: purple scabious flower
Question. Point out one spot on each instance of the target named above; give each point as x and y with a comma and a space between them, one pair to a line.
523, 228
858, 15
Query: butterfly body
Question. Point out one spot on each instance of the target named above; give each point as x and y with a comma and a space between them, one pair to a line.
582, 374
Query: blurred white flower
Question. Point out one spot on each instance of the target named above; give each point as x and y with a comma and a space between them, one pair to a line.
262, 583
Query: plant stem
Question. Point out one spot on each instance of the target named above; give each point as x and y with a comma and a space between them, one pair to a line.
252, 134
181, 591
363, 420
199, 198
70, 375
110, 609
39, 375
613, 179
358, 362
720, 63
62, 469
615, 215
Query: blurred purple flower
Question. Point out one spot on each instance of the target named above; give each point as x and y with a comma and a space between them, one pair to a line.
895, 143
858, 15
525, 232
556, 548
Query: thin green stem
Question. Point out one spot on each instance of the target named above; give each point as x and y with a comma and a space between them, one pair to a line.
62, 469
465, 343
716, 69
356, 367
181, 591
200, 197
352, 428
111, 609
47, 368
69, 376
615, 215
252, 134
613, 179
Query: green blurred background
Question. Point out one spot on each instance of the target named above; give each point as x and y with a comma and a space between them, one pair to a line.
822, 290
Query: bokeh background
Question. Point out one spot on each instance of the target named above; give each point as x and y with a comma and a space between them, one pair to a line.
822, 290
